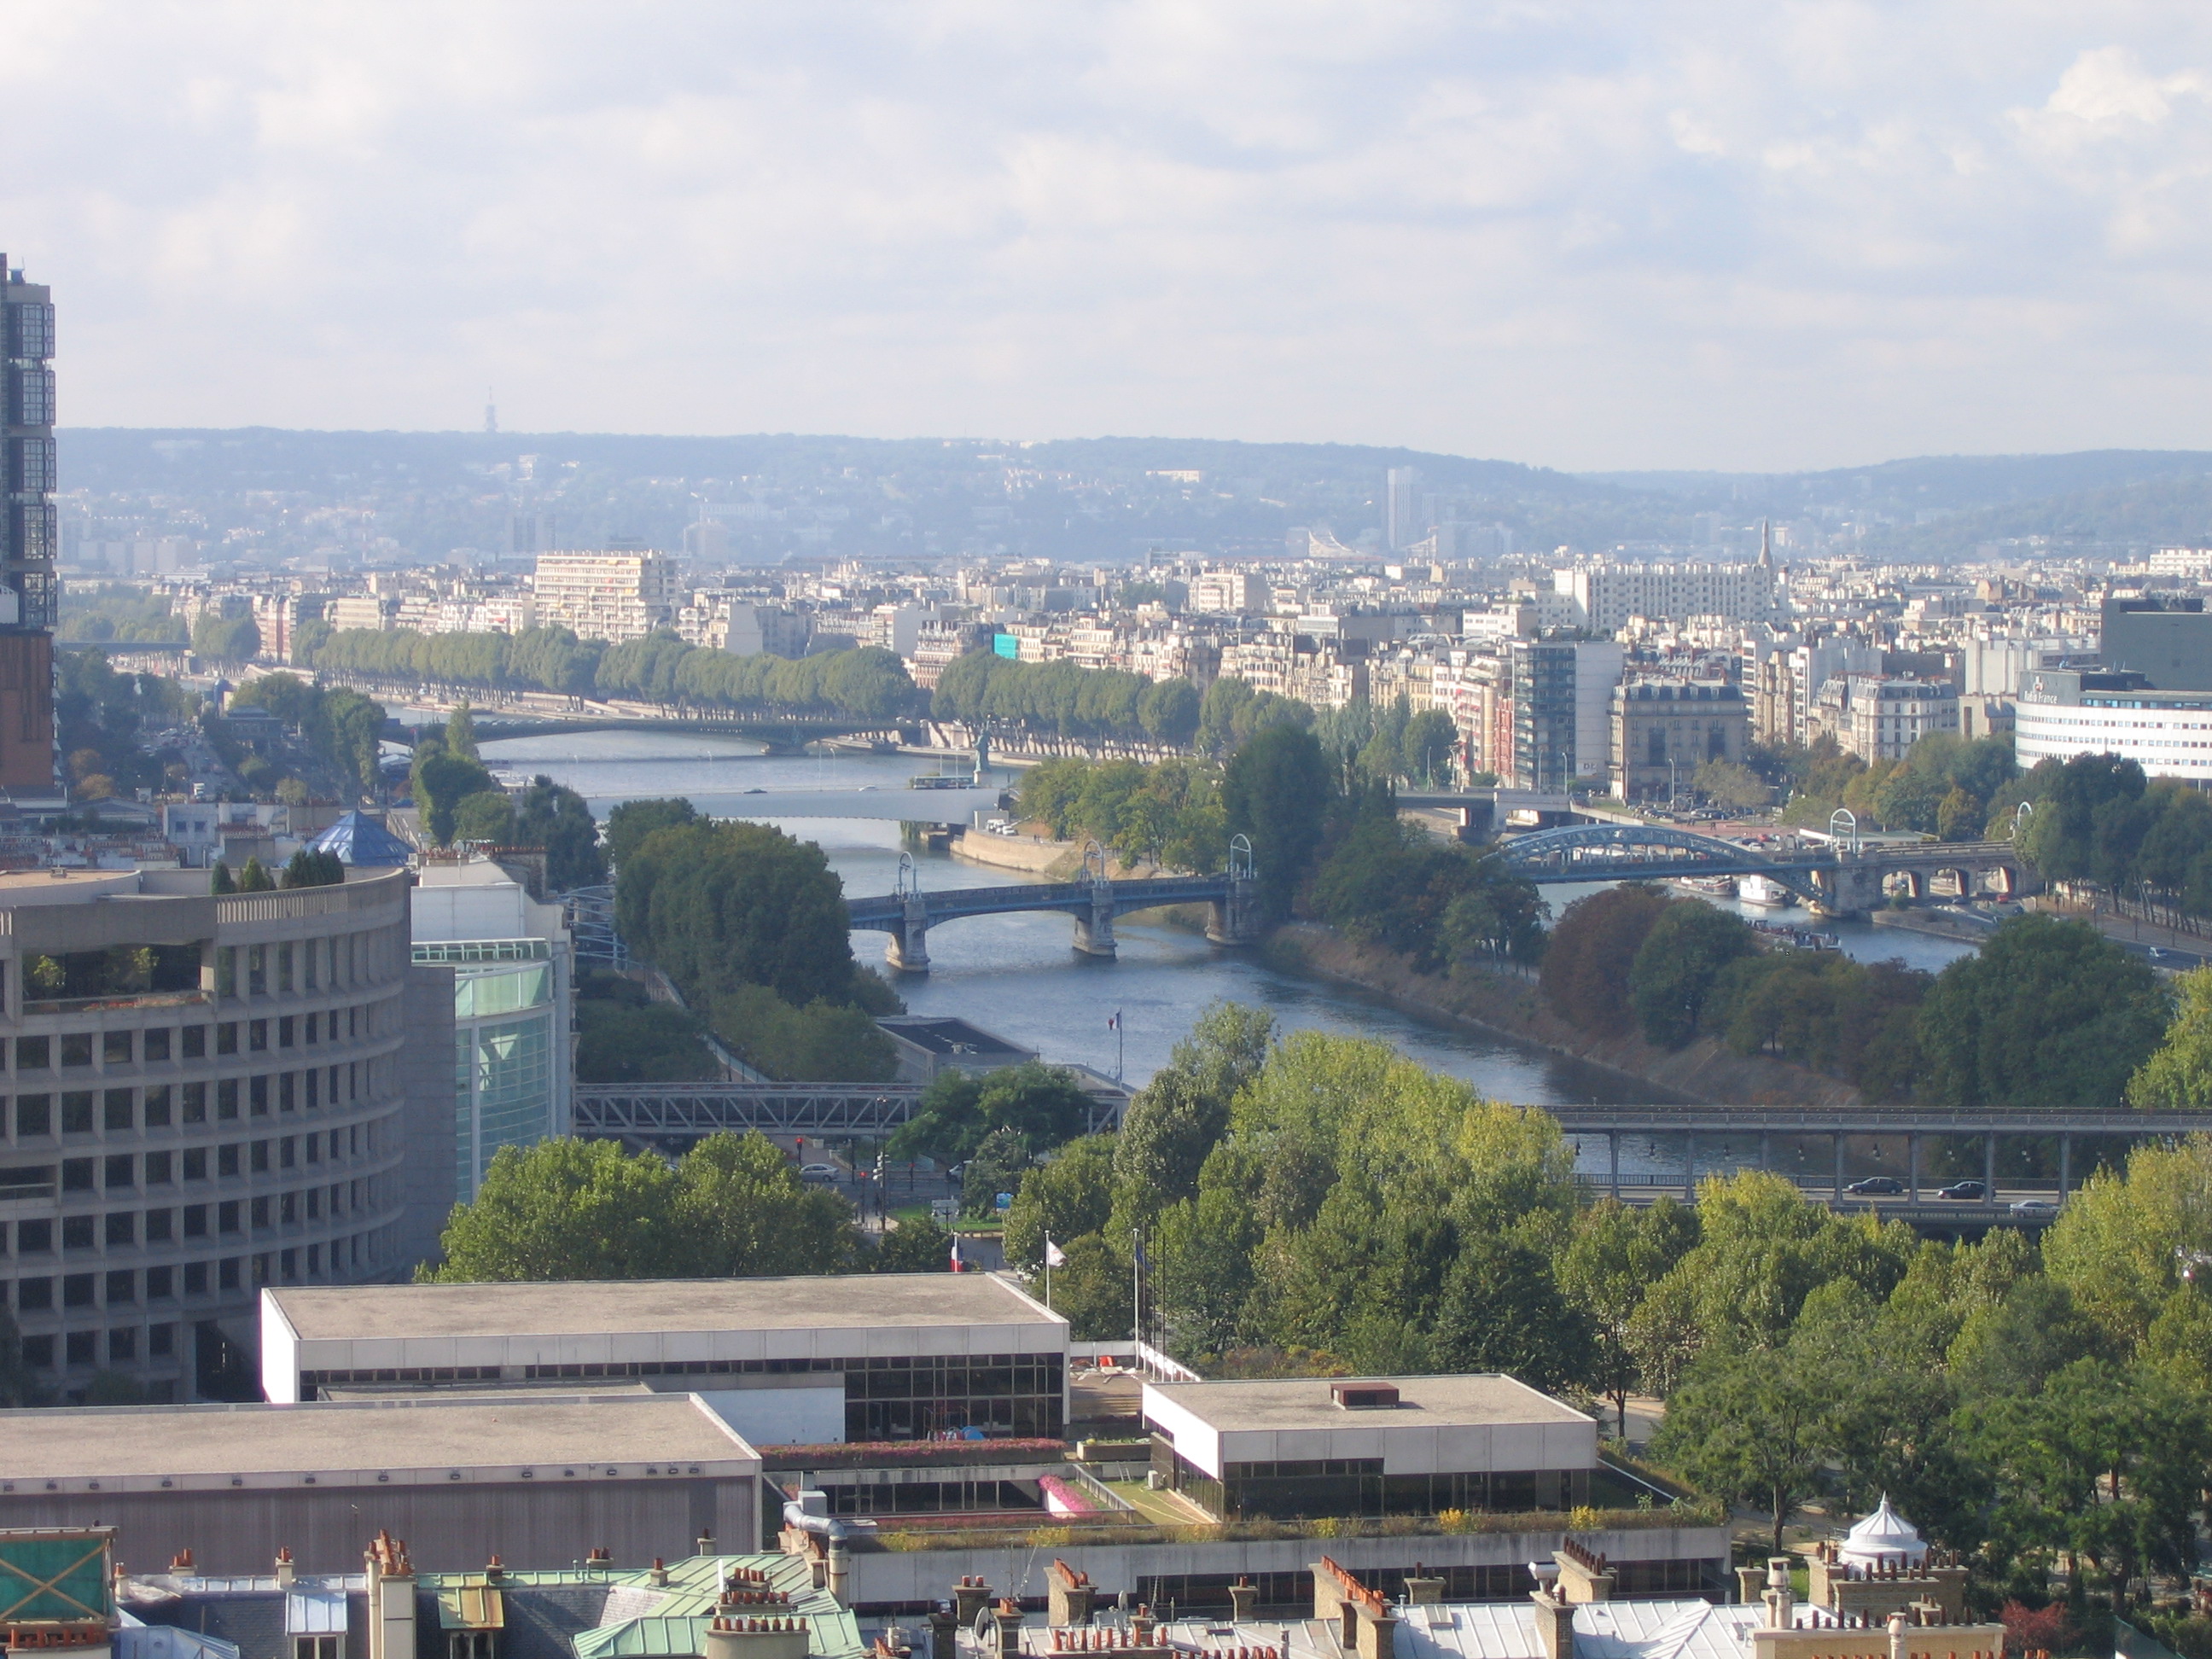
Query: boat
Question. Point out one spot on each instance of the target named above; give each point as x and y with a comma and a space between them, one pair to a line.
943, 780
1764, 892
1715, 886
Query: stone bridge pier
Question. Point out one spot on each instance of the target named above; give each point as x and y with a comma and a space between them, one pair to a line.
1235, 920
1094, 929
908, 952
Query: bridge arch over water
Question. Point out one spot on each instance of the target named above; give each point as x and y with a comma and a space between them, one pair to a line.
909, 913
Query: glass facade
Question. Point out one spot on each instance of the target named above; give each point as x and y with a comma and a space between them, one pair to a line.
1358, 1486
504, 1064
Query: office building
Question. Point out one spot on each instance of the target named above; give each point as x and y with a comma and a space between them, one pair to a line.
1664, 730
202, 1096
513, 964
1401, 507
887, 1357
545, 1482
2167, 638
608, 595
30, 538
2063, 712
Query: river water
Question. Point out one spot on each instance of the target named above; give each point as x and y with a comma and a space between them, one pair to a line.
1017, 975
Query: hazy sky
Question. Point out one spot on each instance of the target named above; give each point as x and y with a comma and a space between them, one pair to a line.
1640, 233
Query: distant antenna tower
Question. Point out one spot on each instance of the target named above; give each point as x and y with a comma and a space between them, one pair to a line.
491, 412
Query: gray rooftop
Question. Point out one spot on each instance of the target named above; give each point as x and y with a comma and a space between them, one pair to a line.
625, 1431
1467, 1400
854, 1302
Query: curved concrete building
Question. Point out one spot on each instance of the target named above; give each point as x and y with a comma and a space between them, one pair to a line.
202, 1096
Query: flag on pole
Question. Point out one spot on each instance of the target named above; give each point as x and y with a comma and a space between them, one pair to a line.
1114, 1020
1143, 1265
1053, 1256
958, 1265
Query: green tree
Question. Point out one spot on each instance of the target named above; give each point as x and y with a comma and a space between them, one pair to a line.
1502, 1309
1041, 1106
1675, 968
1062, 1199
717, 906
564, 1209
2050, 1014
655, 1043
1616, 1255
2123, 1241
1276, 790
2177, 1076
1169, 709
227, 638
1425, 748
441, 781
310, 868
630, 824
999, 1165
486, 815
824, 1042
744, 1210
1731, 784
555, 817
1750, 1428
254, 878
914, 1244
220, 880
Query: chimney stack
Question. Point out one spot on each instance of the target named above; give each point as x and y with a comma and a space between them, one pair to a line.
1555, 1624
970, 1597
390, 1599
1781, 1600
944, 1632
1243, 1601
659, 1575
285, 1574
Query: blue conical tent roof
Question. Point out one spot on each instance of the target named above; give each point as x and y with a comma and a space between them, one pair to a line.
361, 841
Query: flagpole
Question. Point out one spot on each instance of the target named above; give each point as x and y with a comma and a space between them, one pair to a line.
1047, 1273
1137, 1291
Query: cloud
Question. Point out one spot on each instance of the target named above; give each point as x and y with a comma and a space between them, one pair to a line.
1695, 232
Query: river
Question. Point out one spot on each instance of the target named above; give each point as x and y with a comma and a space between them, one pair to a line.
1017, 974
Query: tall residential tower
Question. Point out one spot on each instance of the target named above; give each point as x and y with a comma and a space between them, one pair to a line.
29, 535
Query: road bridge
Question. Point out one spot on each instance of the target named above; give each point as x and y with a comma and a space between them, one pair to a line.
1914, 1124
909, 913
1840, 880
669, 1116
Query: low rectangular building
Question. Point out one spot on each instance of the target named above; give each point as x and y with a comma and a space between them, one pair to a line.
877, 1357
542, 1481
1372, 1446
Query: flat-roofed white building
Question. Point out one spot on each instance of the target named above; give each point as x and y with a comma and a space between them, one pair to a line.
612, 596
874, 1356
1403, 1446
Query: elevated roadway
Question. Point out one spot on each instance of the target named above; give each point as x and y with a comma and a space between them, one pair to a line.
667, 1116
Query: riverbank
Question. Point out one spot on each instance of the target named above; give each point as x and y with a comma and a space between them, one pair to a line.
1509, 1006
1059, 860
1936, 922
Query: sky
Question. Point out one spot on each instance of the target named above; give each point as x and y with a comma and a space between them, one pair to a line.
1744, 235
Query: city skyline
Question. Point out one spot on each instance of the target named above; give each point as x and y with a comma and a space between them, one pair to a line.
1814, 238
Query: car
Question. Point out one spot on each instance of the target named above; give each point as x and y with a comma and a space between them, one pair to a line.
1876, 1187
1965, 1190
2035, 1206
818, 1172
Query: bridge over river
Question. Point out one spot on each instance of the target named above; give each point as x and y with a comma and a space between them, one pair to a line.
909, 913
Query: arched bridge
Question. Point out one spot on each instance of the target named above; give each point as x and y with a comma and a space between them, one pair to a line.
1840, 880
1094, 902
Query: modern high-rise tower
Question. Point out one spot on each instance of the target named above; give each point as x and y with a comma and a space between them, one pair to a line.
1401, 507
29, 534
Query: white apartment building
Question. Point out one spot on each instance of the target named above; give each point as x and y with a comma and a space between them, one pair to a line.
612, 596
1604, 596
2060, 715
1228, 594
1888, 716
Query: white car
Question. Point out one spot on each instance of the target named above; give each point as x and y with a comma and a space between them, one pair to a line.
818, 1172
2034, 1207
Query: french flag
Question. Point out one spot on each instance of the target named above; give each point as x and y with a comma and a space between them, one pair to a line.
958, 1266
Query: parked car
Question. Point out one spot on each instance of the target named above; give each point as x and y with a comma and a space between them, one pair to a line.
1973, 1191
2032, 1206
1876, 1187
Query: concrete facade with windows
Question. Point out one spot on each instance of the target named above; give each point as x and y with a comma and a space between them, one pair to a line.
513, 964
198, 1096
612, 596
2064, 712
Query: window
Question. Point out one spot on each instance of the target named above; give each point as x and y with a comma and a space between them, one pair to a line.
160, 1340
122, 1229
225, 970
226, 1159
225, 1037
288, 1152
226, 1220
226, 1274
196, 1220
115, 1048
258, 1094
119, 1171
196, 1278
256, 1035
34, 1237
225, 1097
318, 1647
76, 1290
312, 955
161, 1284
157, 1045
39, 1353
122, 1288
314, 1022
195, 1043
122, 1345
83, 1347
260, 1212
287, 1096
284, 972
115, 1111
34, 1115
76, 1114
77, 1175
259, 1163
194, 1095
286, 1030
288, 1207
314, 1149
76, 1048
34, 1295
158, 1222
30, 1054
159, 1166
196, 1164
256, 972
157, 1107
